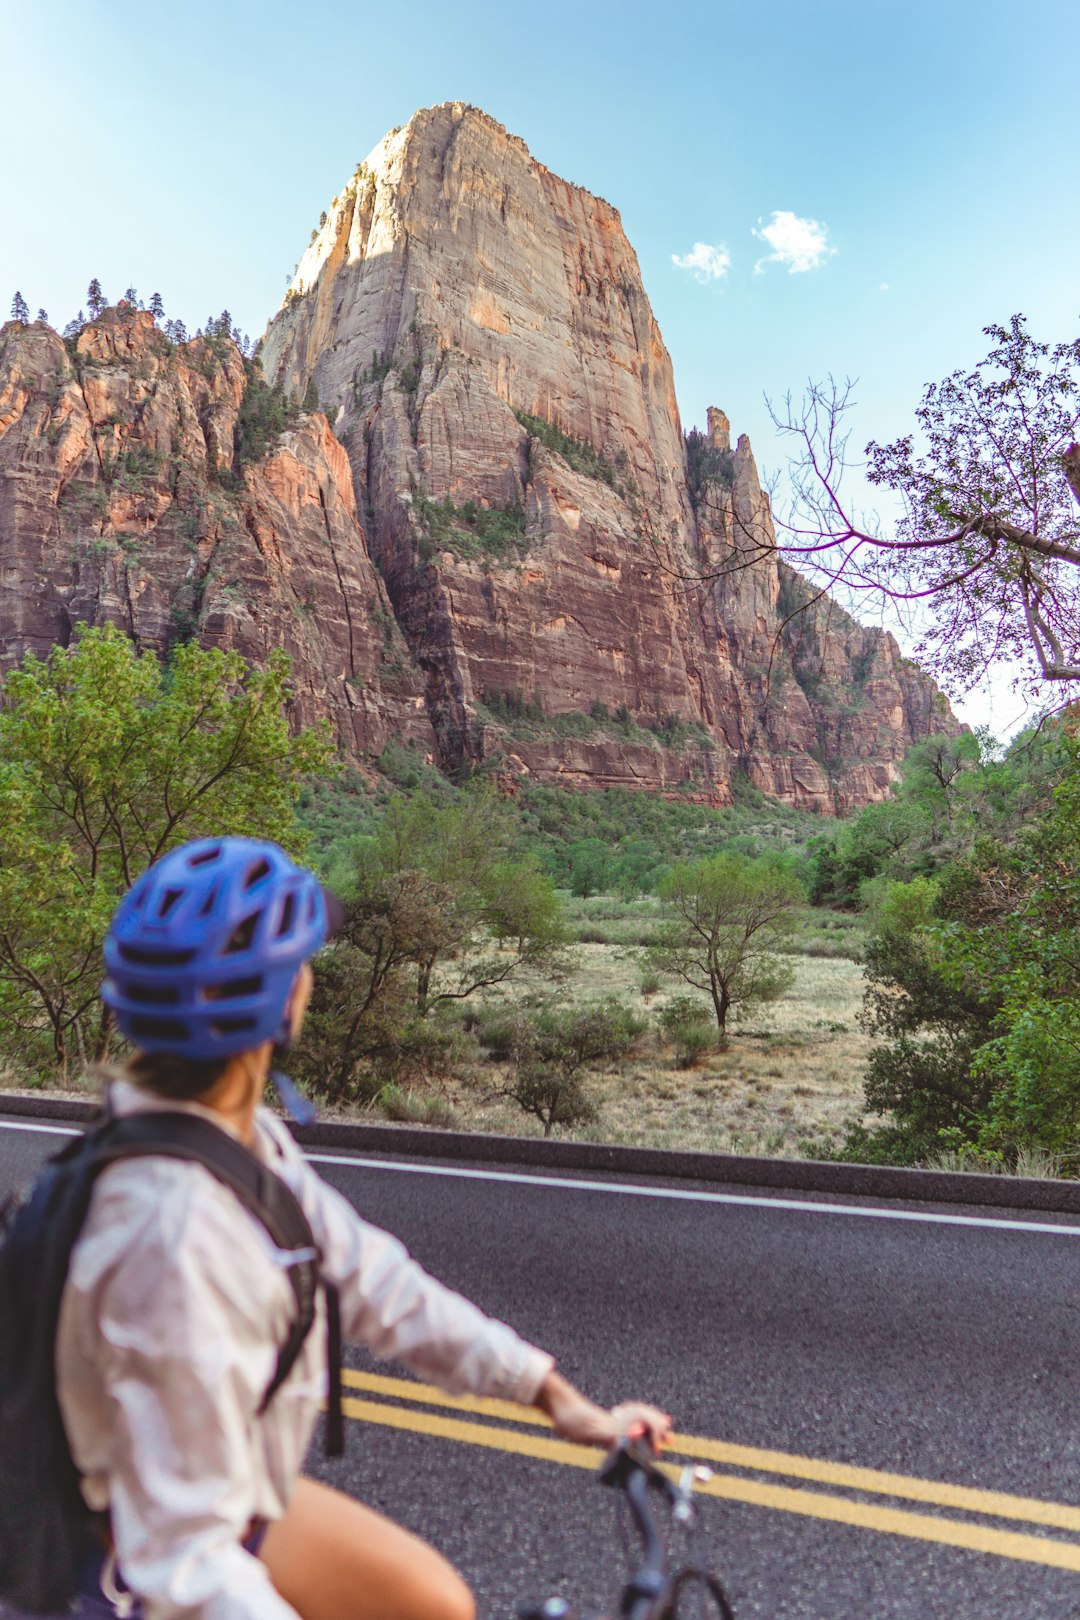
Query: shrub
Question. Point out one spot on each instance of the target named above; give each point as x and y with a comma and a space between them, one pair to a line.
552, 1047
409, 1107
687, 1024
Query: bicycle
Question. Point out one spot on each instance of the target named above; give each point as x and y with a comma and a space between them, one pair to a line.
653, 1591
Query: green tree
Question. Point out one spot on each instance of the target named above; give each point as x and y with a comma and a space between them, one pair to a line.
19, 309
436, 909
935, 770
550, 1052
95, 299
951, 789
498, 915
107, 760
363, 1010
590, 867
930, 1024
724, 921
972, 975
1017, 932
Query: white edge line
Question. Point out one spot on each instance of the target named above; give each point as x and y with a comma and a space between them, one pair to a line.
628, 1189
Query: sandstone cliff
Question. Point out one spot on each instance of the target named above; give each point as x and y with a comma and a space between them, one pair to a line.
581, 605
122, 500
566, 587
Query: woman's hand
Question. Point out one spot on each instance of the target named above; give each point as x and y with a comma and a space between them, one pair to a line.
579, 1419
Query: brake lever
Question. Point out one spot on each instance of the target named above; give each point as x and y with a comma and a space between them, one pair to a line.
683, 1509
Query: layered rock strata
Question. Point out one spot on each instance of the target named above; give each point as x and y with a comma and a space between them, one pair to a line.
584, 605
122, 500
567, 587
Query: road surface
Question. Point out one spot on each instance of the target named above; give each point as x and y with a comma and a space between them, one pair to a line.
887, 1395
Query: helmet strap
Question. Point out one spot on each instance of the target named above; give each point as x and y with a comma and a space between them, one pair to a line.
299, 1110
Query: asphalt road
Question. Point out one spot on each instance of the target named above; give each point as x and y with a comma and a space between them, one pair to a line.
943, 1351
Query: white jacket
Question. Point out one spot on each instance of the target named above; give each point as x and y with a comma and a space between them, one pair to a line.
174, 1310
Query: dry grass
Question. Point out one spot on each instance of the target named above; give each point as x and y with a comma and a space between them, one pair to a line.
787, 1085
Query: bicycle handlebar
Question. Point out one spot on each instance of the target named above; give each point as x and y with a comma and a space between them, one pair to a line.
630, 1468
651, 1590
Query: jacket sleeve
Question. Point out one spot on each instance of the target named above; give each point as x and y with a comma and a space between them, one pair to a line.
184, 1365
393, 1306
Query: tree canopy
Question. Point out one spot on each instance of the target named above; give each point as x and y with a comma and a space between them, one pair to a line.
436, 910
973, 967
107, 760
724, 920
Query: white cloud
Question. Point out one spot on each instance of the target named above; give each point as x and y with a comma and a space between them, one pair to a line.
801, 244
704, 262
883, 287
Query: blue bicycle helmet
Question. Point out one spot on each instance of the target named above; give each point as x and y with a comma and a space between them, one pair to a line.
204, 948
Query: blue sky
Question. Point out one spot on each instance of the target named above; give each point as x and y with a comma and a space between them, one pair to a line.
190, 149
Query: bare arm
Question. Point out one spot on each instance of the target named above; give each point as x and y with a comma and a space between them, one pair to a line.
577, 1418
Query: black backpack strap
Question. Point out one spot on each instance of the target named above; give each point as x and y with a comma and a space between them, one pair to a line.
185, 1136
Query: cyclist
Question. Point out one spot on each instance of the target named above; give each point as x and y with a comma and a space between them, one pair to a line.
176, 1299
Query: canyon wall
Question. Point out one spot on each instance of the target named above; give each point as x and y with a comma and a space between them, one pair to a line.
479, 329
122, 501
499, 547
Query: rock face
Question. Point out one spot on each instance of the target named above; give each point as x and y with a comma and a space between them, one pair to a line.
584, 602
567, 587
121, 501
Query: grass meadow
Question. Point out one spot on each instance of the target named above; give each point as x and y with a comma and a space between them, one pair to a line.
786, 1085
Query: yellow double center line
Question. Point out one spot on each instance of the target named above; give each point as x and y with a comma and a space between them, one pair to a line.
522, 1440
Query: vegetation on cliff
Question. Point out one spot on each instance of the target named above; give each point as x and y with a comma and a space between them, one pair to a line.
706, 464
582, 457
266, 411
475, 533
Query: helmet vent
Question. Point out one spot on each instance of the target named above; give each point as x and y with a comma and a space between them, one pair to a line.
287, 912
232, 989
147, 956
157, 1029
242, 935
169, 899
158, 995
205, 855
232, 1026
256, 873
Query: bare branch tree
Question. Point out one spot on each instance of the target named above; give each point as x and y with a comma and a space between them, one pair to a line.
988, 541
